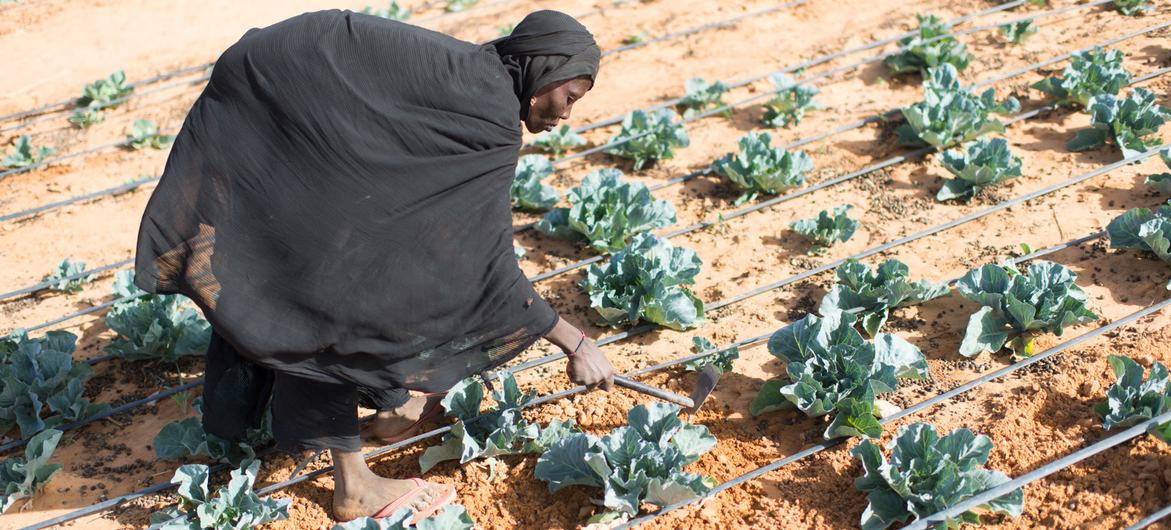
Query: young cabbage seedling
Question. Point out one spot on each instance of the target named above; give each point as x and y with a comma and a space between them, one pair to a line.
1017, 32
1129, 123
144, 133
23, 477
1143, 229
606, 212
649, 137
790, 102
40, 385
702, 95
932, 46
235, 505
1130, 400
154, 326
24, 155
393, 12
1133, 8
1090, 73
981, 164
645, 281
826, 229
950, 115
1161, 181
558, 141
452, 517
761, 168
528, 192
871, 296
65, 269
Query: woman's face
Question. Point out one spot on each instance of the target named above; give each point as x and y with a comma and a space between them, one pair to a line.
554, 103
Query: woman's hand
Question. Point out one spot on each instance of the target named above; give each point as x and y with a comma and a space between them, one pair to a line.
587, 365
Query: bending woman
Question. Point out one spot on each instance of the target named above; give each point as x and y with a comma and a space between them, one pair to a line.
337, 204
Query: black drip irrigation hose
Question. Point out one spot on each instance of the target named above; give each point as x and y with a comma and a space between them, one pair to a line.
809, 451
819, 60
704, 27
1040, 473
1151, 519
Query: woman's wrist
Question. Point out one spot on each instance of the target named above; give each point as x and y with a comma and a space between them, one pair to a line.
565, 336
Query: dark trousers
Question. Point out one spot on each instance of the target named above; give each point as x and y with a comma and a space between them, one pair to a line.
306, 413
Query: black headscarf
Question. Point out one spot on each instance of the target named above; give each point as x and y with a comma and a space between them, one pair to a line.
337, 201
547, 47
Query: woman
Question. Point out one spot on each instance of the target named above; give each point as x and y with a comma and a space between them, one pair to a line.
337, 204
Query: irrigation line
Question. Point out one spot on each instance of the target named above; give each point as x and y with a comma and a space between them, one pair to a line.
108, 192
1040, 473
804, 141
1150, 519
812, 450
704, 27
45, 284
436, 432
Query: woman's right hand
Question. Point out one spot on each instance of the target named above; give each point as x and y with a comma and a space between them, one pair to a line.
590, 367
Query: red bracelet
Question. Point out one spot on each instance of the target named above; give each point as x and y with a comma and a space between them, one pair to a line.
579, 343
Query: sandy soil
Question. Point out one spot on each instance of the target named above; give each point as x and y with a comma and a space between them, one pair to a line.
1033, 416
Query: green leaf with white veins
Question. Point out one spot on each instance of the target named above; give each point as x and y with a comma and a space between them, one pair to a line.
144, 133
930, 47
1131, 400
528, 192
558, 140
1130, 123
722, 360
66, 269
1161, 181
761, 168
983, 163
648, 137
40, 385
949, 114
607, 212
24, 155
1017, 32
645, 281
154, 326
825, 229
702, 95
790, 102
870, 296
22, 477
103, 91
234, 505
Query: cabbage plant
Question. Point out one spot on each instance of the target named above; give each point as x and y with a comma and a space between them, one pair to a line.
606, 212
65, 269
832, 369
40, 385
24, 155
950, 115
558, 141
702, 95
1133, 8
499, 430
932, 46
1129, 123
1017, 32
144, 133
185, 438
825, 229
22, 477
392, 12
1091, 73
1161, 181
528, 192
455, 6
790, 102
1143, 229
871, 295
451, 517
1130, 400
927, 473
722, 360
983, 163
154, 326
99, 95
645, 281
1016, 307
635, 464
648, 137
761, 168
235, 504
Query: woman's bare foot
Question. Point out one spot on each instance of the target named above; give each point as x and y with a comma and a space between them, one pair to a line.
358, 492
393, 422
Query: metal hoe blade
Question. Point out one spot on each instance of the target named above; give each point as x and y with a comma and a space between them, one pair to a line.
708, 378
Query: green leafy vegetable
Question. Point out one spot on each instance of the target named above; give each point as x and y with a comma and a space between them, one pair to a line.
500, 430
40, 386
23, 154
66, 269
635, 38
528, 192
644, 281
235, 506
454, 6
144, 133
927, 473
981, 164
393, 12
1129, 123
639, 463
790, 102
702, 95
831, 368
84, 118
606, 212
761, 168
181, 439
154, 326
721, 360
1143, 229
1130, 400
1017, 32
23, 477
931, 47
1161, 181
1133, 8
826, 229
870, 296
950, 115
558, 140
1091, 73
452, 517
103, 91
1018, 306
649, 137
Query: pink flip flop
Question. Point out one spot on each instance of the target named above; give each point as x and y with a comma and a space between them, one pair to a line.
433, 412
443, 499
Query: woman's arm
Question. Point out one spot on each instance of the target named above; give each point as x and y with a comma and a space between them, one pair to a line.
587, 364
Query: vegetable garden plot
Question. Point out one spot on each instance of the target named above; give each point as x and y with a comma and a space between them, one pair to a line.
916, 269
